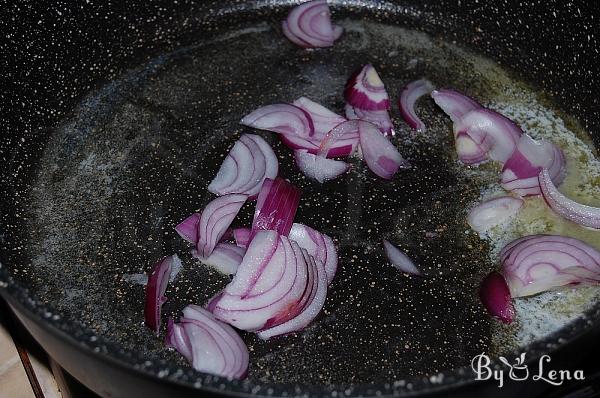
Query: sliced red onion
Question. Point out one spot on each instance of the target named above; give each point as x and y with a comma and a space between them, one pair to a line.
380, 155
155, 290
214, 221
323, 119
249, 162
275, 207
344, 133
314, 305
537, 263
408, 98
399, 259
495, 297
469, 151
178, 339
490, 131
365, 90
493, 212
188, 228
225, 258
212, 346
309, 25
379, 118
282, 119
342, 147
587, 216
454, 103
269, 286
521, 170
242, 236
319, 168
318, 245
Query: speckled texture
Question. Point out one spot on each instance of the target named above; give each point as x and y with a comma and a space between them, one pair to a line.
123, 168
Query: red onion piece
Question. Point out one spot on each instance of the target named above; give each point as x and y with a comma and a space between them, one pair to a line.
342, 147
269, 286
344, 133
212, 346
379, 118
318, 245
188, 228
495, 297
178, 339
242, 236
468, 151
380, 155
365, 90
249, 162
587, 216
493, 212
155, 290
323, 119
521, 170
214, 221
399, 259
309, 25
225, 258
408, 98
537, 263
495, 134
319, 168
314, 305
282, 119
275, 207
454, 103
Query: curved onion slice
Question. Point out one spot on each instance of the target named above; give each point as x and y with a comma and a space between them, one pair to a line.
495, 134
495, 297
399, 259
493, 212
315, 303
379, 118
408, 98
454, 103
309, 25
281, 119
343, 147
275, 207
155, 290
268, 288
365, 90
345, 132
536, 263
380, 155
214, 221
323, 119
319, 168
587, 216
188, 228
318, 245
468, 151
225, 258
242, 236
249, 162
521, 170
212, 346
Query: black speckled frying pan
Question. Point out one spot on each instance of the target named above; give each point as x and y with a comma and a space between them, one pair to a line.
118, 115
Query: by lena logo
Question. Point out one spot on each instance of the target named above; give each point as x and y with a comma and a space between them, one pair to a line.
519, 371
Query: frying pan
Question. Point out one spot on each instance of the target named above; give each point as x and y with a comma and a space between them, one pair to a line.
118, 114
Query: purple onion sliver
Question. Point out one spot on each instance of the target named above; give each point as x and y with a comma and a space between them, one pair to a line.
408, 98
495, 297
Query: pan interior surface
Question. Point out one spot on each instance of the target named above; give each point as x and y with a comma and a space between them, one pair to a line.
136, 158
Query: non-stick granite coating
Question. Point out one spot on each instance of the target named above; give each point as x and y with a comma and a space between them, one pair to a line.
135, 156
